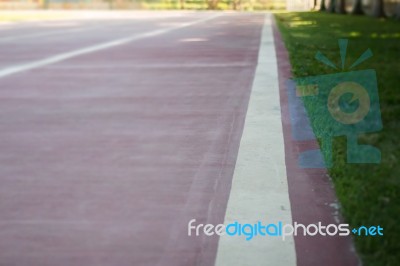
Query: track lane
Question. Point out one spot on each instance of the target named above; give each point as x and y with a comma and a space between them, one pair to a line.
38, 43
106, 165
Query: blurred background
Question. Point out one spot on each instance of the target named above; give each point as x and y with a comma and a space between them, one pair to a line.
377, 8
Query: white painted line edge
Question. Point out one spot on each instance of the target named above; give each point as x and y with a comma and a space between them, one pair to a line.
94, 48
259, 187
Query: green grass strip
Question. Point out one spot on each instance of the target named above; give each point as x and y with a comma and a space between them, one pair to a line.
369, 193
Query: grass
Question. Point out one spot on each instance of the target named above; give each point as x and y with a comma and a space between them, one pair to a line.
369, 193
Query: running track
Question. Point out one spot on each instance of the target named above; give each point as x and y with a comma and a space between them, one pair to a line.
114, 133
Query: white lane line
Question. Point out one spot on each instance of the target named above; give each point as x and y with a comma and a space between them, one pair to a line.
94, 48
259, 186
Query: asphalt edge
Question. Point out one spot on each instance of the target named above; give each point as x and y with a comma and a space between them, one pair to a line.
311, 191
259, 190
